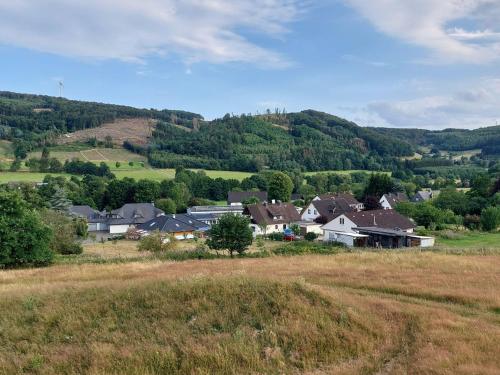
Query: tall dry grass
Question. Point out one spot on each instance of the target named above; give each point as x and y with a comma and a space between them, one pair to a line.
397, 313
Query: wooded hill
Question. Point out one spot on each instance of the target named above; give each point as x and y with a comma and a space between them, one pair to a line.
487, 139
305, 141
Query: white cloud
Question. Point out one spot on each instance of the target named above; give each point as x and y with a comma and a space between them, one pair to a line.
132, 30
468, 108
434, 24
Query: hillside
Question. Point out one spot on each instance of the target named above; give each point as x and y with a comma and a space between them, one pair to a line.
31, 121
307, 141
352, 313
487, 139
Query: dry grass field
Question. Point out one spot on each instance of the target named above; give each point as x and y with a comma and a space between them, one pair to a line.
352, 313
135, 130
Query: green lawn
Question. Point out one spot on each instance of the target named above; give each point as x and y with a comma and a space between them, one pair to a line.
125, 171
475, 240
351, 171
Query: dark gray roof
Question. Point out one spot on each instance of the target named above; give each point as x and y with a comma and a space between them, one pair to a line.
265, 213
87, 212
395, 198
175, 224
425, 195
331, 208
384, 231
134, 213
240, 196
389, 219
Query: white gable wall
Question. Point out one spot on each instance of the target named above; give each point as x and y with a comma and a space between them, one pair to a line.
340, 224
310, 213
385, 203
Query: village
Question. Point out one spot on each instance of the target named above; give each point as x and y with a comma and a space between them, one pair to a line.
330, 218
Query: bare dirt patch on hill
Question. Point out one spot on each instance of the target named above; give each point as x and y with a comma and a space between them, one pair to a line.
136, 130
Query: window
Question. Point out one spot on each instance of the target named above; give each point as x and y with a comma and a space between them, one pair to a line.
342, 221
315, 212
309, 211
276, 226
284, 226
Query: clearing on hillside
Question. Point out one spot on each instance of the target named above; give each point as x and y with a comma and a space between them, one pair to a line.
136, 130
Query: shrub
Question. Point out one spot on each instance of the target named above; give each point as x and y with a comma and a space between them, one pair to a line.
276, 236
156, 242
311, 236
300, 248
71, 249
24, 239
490, 218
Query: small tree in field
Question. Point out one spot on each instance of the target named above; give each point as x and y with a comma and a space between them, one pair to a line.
232, 233
156, 242
490, 218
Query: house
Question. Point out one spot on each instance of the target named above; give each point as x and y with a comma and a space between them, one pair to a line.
425, 195
211, 214
181, 226
390, 201
346, 198
96, 221
236, 198
367, 228
131, 215
325, 210
271, 218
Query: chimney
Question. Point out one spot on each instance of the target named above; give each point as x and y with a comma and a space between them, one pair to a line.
173, 216
273, 201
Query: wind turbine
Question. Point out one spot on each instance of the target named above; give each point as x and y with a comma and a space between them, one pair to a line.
61, 88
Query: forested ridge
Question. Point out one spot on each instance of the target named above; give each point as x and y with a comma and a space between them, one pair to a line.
31, 121
303, 141
487, 139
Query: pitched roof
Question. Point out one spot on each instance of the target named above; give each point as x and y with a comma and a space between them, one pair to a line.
266, 213
240, 196
389, 219
395, 198
174, 224
348, 198
134, 213
330, 208
425, 195
87, 212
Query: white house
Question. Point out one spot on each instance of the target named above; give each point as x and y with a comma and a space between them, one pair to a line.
390, 201
384, 228
271, 218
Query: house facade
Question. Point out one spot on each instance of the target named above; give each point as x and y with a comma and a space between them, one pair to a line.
391, 200
424, 195
271, 218
377, 228
326, 209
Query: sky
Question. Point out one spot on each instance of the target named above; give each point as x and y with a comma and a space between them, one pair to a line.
397, 63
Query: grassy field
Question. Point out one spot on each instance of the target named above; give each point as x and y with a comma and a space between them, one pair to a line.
124, 171
352, 313
477, 240
346, 172
96, 155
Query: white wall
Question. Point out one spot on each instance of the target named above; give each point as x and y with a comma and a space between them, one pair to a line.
257, 231
384, 203
310, 213
331, 236
337, 225
118, 229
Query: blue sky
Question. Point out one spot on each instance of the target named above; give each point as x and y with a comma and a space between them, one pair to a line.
426, 63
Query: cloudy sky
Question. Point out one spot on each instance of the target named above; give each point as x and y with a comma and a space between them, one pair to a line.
404, 63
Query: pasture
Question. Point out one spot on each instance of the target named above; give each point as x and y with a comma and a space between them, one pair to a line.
350, 313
